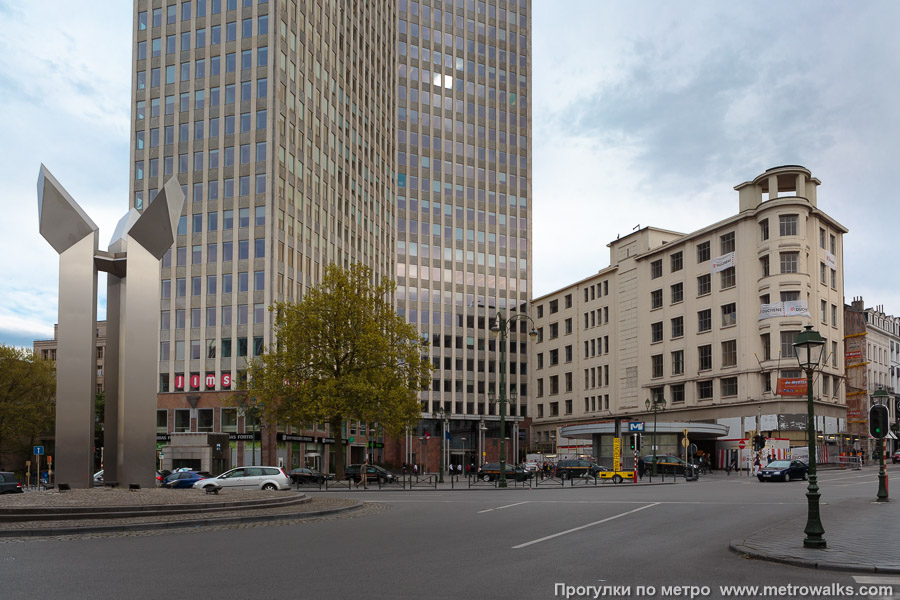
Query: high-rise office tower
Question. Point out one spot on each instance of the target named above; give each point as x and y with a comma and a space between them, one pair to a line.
302, 132
463, 210
278, 119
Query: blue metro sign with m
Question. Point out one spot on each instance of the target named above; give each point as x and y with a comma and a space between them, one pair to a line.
636, 426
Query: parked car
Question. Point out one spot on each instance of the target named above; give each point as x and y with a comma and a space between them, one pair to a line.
569, 469
160, 476
9, 484
183, 479
896, 457
248, 478
373, 473
304, 475
783, 470
666, 464
491, 471
531, 466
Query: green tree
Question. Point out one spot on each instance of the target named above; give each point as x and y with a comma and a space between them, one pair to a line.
27, 391
342, 353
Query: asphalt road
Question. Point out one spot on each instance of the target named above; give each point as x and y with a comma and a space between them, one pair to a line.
471, 544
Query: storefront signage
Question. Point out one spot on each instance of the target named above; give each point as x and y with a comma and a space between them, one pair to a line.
243, 437
210, 381
163, 437
195, 381
226, 380
852, 354
291, 437
179, 382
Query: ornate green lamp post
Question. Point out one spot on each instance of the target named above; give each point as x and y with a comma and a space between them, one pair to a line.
657, 405
809, 346
880, 398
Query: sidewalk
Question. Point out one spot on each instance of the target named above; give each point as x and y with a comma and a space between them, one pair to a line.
859, 534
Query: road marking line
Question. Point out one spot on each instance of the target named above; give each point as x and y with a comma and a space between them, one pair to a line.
550, 537
870, 580
501, 507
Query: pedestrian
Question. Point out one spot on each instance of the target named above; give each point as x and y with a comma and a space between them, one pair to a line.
459, 470
756, 466
363, 472
415, 469
640, 467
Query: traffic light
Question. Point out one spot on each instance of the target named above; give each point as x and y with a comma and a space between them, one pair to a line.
636, 441
759, 442
878, 421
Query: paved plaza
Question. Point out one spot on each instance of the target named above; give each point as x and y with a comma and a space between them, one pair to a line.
626, 541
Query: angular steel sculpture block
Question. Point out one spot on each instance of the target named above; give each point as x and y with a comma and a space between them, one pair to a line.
138, 244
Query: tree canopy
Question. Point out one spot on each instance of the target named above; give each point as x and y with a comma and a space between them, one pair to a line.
342, 354
27, 390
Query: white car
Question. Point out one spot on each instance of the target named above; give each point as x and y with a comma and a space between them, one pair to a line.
248, 478
531, 466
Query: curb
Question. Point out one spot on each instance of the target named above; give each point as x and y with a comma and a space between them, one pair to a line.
171, 525
739, 548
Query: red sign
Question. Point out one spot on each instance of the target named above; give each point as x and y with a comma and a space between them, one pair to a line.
195, 381
210, 381
226, 380
790, 387
179, 382
851, 354
741, 444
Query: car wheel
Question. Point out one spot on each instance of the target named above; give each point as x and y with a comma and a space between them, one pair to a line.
761, 479
787, 476
804, 477
270, 486
486, 477
381, 481
617, 479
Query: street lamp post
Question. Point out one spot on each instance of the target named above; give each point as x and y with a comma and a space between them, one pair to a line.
502, 327
809, 346
656, 405
440, 414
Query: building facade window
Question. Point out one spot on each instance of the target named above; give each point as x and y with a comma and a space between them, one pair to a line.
656, 332
729, 386
656, 299
729, 353
789, 262
704, 355
787, 225
704, 285
703, 252
677, 261
764, 230
677, 293
656, 269
704, 320
726, 242
729, 314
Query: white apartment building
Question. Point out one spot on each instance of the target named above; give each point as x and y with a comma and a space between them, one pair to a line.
705, 320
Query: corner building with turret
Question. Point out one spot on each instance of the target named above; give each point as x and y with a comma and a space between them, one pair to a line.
705, 321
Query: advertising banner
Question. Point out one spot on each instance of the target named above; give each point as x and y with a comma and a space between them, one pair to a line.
830, 260
791, 387
797, 308
720, 263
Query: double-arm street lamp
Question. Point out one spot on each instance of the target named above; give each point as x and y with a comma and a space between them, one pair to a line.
658, 404
444, 418
502, 327
809, 346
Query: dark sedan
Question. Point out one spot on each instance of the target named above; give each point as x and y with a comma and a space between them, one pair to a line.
491, 471
783, 470
184, 479
9, 484
373, 473
304, 475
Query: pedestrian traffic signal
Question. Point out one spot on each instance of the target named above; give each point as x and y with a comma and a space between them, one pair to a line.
878, 421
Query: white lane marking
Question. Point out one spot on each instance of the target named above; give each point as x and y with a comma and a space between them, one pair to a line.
501, 507
550, 537
875, 580
869, 580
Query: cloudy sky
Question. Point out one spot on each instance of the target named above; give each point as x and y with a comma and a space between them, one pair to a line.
645, 113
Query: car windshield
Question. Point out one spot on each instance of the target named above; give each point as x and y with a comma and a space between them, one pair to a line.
778, 464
